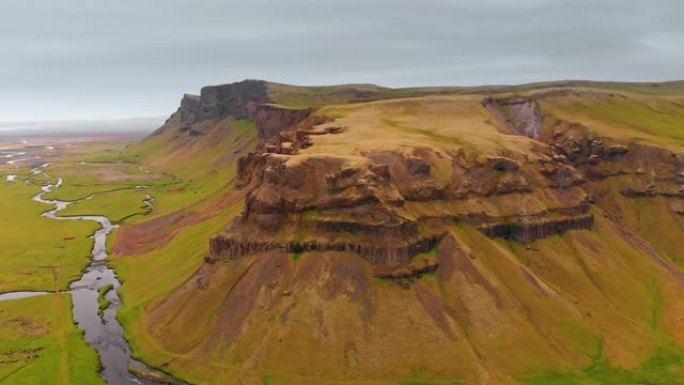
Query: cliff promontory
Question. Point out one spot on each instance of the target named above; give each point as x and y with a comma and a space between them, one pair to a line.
358, 234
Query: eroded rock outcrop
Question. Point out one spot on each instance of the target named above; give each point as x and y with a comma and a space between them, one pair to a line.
382, 204
386, 206
521, 115
408, 271
248, 99
523, 229
577, 155
239, 100
271, 120
487, 176
644, 170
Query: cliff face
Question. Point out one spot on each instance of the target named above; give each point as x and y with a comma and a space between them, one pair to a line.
367, 204
297, 199
239, 100
248, 99
272, 120
610, 165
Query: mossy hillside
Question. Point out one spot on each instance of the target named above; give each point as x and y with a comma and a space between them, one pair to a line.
185, 354
189, 157
580, 273
204, 168
650, 218
636, 294
584, 274
144, 283
205, 174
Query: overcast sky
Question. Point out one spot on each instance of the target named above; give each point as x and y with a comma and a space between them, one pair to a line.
90, 59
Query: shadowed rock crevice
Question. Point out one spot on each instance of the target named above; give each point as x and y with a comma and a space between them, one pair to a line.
527, 231
521, 115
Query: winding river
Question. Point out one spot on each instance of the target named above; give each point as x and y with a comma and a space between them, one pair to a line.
103, 332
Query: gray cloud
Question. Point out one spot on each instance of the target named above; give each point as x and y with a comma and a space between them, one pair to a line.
65, 59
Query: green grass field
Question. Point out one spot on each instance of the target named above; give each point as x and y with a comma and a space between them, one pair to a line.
41, 345
665, 368
115, 205
35, 251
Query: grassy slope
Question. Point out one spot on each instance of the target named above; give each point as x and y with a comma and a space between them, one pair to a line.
40, 345
204, 174
203, 168
563, 329
447, 123
631, 116
185, 253
608, 281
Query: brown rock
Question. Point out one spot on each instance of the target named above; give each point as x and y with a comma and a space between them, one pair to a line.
272, 120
